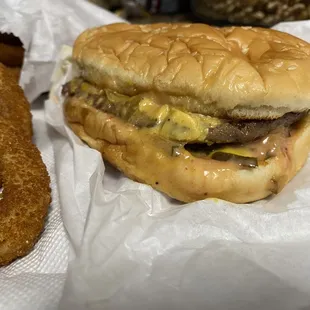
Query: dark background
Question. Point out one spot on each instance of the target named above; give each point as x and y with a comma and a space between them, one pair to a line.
265, 13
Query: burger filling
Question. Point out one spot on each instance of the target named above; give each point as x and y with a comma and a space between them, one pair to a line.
201, 135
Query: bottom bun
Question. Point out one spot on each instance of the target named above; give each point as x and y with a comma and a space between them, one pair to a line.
147, 159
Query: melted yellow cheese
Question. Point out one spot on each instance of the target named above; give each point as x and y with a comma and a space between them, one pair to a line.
168, 122
175, 124
154, 111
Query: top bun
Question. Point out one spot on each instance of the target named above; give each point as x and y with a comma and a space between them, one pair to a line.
236, 72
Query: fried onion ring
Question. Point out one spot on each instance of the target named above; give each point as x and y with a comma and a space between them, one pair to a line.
23, 175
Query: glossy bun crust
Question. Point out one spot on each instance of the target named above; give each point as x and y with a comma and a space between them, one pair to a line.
186, 178
236, 72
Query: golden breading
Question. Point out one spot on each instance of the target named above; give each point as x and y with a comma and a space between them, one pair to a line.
13, 104
23, 175
26, 193
15, 72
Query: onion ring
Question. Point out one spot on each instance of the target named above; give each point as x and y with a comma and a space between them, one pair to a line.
23, 175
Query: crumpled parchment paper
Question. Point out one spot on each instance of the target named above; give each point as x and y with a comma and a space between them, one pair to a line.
43, 26
135, 249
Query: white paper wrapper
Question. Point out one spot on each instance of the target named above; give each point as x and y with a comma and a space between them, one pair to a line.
135, 249
44, 26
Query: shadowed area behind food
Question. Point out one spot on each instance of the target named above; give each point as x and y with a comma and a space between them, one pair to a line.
11, 53
263, 13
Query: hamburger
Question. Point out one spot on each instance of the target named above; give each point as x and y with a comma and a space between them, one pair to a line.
192, 110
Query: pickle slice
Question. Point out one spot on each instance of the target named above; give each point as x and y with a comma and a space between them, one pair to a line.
249, 162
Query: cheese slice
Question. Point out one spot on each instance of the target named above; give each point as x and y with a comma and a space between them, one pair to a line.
146, 111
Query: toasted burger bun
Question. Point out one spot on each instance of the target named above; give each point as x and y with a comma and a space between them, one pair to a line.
187, 178
234, 72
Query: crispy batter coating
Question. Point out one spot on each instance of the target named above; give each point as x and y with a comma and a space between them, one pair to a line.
13, 104
15, 72
26, 193
23, 175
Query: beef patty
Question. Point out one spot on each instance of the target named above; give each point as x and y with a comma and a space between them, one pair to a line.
247, 131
